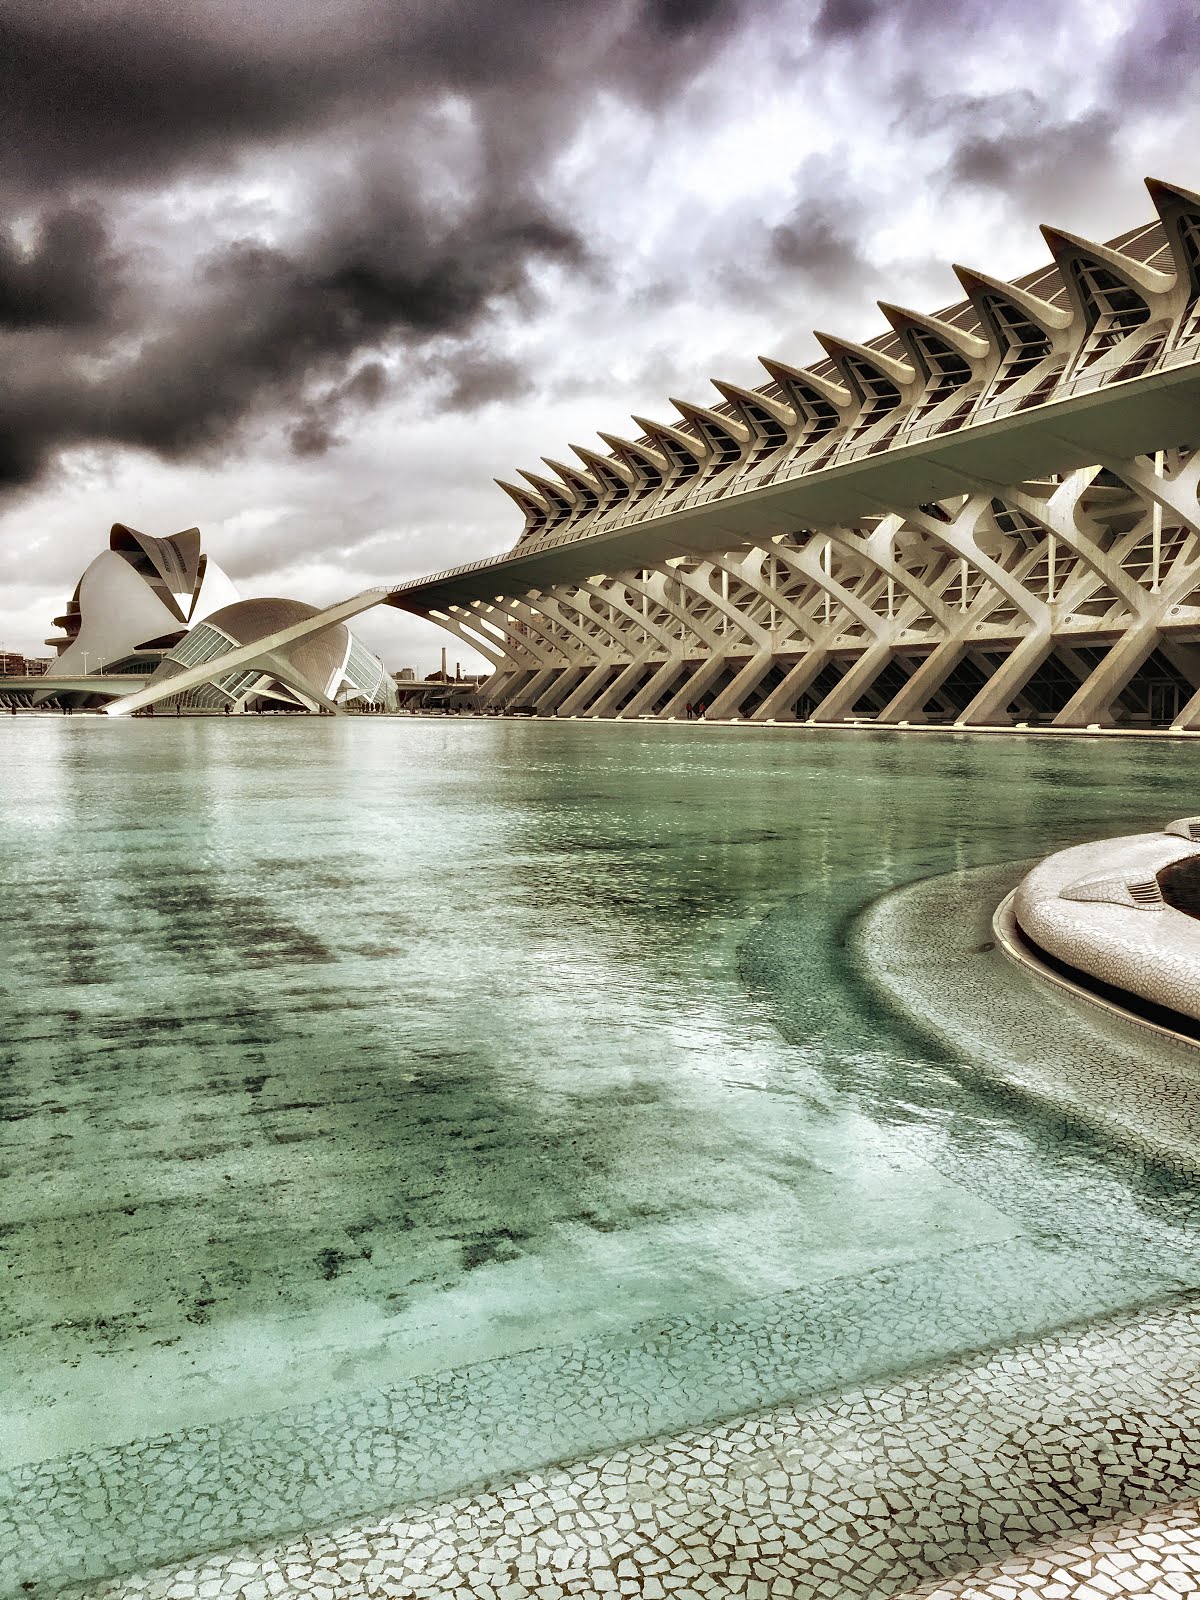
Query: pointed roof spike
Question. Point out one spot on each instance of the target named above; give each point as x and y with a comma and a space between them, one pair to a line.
1173, 205
976, 284
664, 430
599, 464
632, 447
524, 498
557, 491
967, 344
1066, 246
1171, 195
738, 396
701, 414
176, 560
897, 372
573, 475
837, 394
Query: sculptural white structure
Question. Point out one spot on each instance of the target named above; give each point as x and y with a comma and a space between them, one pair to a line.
1116, 920
162, 606
981, 518
139, 591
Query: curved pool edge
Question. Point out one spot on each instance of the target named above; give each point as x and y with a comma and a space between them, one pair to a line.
928, 950
1019, 949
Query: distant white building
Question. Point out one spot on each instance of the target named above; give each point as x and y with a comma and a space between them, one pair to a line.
982, 516
160, 606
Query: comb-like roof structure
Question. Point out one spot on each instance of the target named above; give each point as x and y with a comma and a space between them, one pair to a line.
984, 514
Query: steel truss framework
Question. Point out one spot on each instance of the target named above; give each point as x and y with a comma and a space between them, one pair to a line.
984, 517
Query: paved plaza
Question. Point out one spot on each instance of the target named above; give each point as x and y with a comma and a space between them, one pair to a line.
881, 1491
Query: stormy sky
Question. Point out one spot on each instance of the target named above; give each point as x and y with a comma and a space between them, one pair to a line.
309, 276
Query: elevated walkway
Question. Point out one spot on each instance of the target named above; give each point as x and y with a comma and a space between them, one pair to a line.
113, 684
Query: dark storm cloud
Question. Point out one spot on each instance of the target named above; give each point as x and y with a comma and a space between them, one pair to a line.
264, 325
917, 24
815, 255
1034, 151
844, 19
480, 379
1012, 145
316, 428
1158, 57
70, 277
119, 91
818, 243
110, 100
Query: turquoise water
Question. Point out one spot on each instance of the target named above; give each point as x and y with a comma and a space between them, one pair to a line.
341, 1052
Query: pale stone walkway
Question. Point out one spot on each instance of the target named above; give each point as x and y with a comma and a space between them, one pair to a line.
1156, 1556
875, 1493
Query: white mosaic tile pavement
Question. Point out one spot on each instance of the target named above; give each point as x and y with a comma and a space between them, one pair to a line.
875, 1493
1155, 1556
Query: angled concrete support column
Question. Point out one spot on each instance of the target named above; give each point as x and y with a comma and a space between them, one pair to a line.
540, 684
502, 685
470, 629
515, 695
555, 693
1092, 701
696, 686
499, 686
990, 705
577, 702
662, 680
909, 703
535, 640
777, 707
839, 703
748, 679
606, 704
1189, 718
1185, 658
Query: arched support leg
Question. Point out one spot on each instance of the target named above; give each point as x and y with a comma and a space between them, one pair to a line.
990, 705
909, 703
777, 707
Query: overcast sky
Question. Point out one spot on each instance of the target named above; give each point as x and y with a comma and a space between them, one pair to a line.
310, 276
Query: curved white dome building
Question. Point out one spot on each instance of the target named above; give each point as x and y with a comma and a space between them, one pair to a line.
162, 607
319, 671
136, 599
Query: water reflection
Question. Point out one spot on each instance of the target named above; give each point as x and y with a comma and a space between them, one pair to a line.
339, 1051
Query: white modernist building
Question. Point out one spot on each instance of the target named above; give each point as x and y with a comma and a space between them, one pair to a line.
135, 598
158, 607
984, 516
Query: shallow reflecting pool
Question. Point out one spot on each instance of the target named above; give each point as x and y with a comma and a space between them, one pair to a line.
340, 1055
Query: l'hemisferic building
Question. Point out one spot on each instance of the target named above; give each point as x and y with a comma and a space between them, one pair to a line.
983, 517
